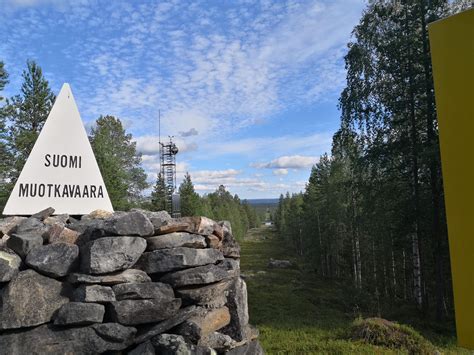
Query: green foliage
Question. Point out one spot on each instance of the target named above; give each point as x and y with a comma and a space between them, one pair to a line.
219, 205
27, 114
223, 206
189, 198
158, 195
372, 213
3, 78
21, 120
378, 331
119, 162
5, 155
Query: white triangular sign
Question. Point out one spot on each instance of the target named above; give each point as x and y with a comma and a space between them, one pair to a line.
61, 171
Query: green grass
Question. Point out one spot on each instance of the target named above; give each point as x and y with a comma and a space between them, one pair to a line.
299, 313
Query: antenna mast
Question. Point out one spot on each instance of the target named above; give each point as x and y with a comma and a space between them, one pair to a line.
159, 128
168, 153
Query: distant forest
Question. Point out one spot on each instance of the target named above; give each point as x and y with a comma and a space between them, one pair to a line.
373, 209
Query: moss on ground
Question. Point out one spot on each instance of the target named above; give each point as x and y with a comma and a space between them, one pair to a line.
378, 331
300, 313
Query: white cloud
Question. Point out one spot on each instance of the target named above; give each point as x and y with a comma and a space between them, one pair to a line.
246, 63
206, 181
317, 143
288, 162
229, 67
280, 172
214, 176
28, 3
149, 145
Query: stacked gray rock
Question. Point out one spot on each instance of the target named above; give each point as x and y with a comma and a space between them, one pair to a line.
136, 282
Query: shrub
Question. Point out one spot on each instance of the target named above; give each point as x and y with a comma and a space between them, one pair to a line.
381, 332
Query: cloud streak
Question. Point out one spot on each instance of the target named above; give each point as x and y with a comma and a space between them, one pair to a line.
288, 162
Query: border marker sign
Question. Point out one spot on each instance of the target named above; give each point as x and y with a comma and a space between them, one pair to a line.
452, 52
61, 171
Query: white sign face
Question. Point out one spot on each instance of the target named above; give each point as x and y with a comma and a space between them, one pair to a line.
61, 171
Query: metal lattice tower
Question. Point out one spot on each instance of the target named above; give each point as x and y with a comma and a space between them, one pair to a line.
168, 153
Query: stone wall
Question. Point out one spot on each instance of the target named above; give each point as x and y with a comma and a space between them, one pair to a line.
134, 282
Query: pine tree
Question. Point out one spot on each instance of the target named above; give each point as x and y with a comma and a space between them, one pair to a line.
188, 197
5, 156
3, 78
119, 162
373, 211
27, 114
158, 195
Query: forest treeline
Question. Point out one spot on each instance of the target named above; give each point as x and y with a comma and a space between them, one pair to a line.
373, 209
22, 117
219, 205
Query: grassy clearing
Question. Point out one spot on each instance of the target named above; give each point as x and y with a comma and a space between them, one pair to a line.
299, 313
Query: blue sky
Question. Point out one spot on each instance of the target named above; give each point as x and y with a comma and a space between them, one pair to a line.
248, 88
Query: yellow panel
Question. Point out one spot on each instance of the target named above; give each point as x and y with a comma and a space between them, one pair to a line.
452, 52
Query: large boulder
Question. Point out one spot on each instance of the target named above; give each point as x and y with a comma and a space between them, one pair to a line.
22, 244
209, 296
280, 264
238, 328
232, 266
55, 260
9, 264
251, 348
203, 324
31, 225
213, 242
7, 225
47, 339
97, 214
176, 239
226, 226
42, 215
172, 344
230, 248
201, 275
165, 260
141, 291
145, 348
157, 218
129, 275
94, 294
78, 313
218, 341
60, 219
30, 299
131, 312
88, 230
148, 332
197, 225
111, 254
59, 234
129, 223
115, 332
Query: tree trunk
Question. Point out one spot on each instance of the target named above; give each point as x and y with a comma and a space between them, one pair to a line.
394, 275
321, 255
405, 286
417, 291
414, 160
358, 261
